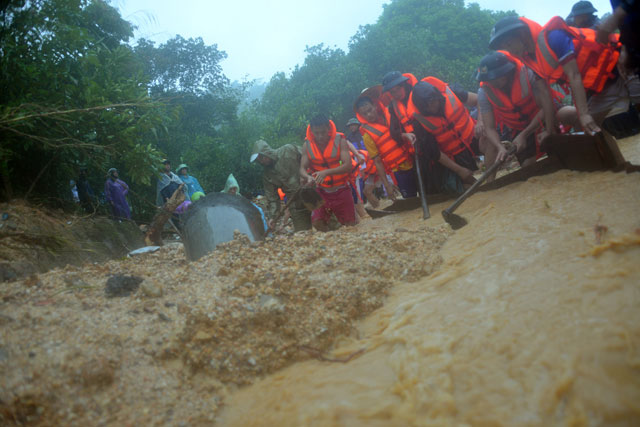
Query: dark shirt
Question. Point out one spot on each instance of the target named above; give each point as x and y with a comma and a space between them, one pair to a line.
356, 139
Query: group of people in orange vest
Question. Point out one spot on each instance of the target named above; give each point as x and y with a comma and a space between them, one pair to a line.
405, 115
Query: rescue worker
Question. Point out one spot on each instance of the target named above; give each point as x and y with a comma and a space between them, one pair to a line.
281, 169
354, 136
399, 87
388, 155
370, 179
326, 155
446, 131
559, 53
191, 182
512, 95
583, 15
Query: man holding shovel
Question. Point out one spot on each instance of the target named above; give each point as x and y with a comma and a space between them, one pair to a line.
281, 170
447, 131
512, 95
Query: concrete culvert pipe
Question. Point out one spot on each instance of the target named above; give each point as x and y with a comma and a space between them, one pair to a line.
213, 219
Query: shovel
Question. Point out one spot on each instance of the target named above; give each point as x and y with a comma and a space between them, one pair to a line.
457, 221
423, 196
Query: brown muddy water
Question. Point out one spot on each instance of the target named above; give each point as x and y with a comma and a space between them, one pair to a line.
529, 315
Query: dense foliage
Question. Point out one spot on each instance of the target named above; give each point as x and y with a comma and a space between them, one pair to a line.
74, 92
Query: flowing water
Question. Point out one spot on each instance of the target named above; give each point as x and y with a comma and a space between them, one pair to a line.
533, 319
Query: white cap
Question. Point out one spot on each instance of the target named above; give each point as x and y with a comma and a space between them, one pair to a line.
253, 158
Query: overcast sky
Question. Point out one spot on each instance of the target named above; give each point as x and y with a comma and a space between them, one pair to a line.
264, 37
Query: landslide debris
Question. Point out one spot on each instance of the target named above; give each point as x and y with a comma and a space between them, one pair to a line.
168, 352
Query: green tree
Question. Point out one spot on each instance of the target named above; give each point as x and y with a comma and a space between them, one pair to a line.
71, 95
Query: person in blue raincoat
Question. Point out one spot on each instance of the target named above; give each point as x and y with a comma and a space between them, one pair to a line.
191, 182
115, 192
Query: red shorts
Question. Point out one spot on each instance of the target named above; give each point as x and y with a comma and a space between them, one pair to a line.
340, 203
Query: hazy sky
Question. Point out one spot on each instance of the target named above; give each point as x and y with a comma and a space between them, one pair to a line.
264, 37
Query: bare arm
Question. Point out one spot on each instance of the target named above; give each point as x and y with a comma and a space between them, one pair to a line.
580, 97
305, 178
490, 131
491, 134
355, 153
542, 95
610, 24
380, 171
472, 100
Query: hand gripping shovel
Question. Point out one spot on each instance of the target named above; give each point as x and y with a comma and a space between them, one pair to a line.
457, 221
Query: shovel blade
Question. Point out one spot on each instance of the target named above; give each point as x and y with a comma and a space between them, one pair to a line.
455, 221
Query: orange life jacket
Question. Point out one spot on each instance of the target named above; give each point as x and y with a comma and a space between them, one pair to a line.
328, 158
369, 166
517, 108
596, 61
391, 154
454, 130
401, 109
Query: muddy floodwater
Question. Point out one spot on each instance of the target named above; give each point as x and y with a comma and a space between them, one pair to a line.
533, 319
527, 316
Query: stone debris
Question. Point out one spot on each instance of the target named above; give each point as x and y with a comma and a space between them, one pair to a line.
121, 286
189, 332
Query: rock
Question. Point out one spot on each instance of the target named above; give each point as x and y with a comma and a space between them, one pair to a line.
202, 336
151, 289
4, 355
164, 317
270, 303
120, 285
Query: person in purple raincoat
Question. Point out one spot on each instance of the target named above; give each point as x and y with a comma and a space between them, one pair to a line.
115, 191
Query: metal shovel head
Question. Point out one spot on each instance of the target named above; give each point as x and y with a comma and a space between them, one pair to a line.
455, 221
311, 199
214, 219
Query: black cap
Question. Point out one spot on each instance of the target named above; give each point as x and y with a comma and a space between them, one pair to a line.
503, 27
582, 8
391, 79
494, 65
165, 161
422, 93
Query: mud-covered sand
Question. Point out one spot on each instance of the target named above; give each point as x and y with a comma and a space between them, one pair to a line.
529, 315
168, 353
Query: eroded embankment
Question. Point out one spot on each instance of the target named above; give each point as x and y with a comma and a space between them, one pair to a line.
166, 354
36, 239
533, 319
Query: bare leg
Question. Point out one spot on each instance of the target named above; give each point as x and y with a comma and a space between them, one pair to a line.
368, 192
362, 213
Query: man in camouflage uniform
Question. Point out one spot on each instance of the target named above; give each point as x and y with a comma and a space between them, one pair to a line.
281, 170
